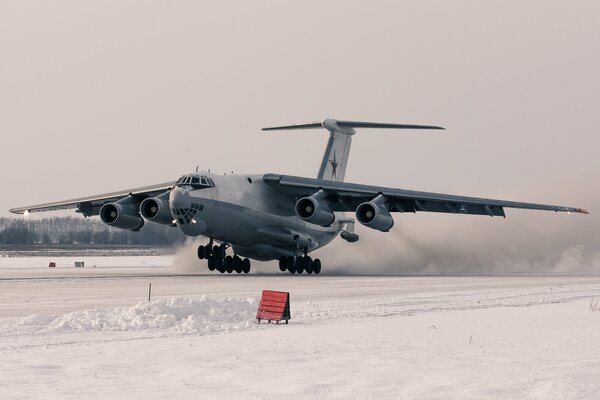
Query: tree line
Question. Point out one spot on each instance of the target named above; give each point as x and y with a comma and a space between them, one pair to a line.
72, 230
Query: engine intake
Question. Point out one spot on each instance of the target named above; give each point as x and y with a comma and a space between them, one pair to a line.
374, 215
122, 214
156, 209
314, 209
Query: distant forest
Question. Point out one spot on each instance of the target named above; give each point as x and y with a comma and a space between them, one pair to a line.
72, 230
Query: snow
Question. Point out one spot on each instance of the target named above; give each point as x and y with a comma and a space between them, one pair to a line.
177, 315
41, 262
65, 334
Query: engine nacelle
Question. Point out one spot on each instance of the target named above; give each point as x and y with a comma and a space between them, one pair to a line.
122, 214
315, 210
374, 215
156, 209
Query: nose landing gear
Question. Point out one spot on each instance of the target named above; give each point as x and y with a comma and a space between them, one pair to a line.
218, 260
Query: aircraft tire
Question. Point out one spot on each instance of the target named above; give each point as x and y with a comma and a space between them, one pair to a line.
201, 252
218, 252
237, 264
316, 266
245, 265
308, 265
228, 264
299, 267
212, 263
282, 263
220, 267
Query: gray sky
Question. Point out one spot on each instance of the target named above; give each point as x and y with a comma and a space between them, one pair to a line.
100, 96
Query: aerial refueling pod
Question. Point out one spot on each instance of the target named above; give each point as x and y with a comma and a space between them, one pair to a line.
374, 214
122, 214
156, 209
314, 209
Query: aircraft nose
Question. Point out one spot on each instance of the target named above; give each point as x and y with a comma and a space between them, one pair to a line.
185, 212
179, 198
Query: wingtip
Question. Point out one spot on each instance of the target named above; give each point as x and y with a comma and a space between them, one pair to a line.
582, 211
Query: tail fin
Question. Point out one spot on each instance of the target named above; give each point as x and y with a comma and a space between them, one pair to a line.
335, 159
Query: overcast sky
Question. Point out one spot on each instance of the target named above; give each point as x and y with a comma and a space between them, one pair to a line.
101, 96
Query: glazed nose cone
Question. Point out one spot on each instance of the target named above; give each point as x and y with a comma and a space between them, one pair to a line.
179, 199
185, 213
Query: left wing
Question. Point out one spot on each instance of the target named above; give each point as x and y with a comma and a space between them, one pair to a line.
91, 205
342, 196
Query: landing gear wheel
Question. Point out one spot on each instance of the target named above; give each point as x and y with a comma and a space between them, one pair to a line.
299, 265
237, 264
282, 263
212, 263
308, 265
201, 252
219, 251
219, 264
228, 264
316, 266
245, 265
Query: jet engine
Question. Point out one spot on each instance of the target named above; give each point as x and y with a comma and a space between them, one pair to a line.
314, 209
122, 214
374, 215
156, 209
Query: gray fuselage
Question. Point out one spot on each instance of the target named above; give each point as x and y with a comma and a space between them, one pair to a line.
252, 217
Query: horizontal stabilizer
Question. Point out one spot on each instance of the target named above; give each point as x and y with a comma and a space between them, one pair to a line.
310, 125
347, 127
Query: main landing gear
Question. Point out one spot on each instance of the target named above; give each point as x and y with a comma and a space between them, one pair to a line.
300, 264
218, 260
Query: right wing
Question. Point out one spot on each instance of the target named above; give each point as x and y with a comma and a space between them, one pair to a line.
91, 205
344, 196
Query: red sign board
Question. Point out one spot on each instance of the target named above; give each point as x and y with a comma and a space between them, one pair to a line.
274, 306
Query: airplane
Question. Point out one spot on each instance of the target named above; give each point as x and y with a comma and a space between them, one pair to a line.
277, 217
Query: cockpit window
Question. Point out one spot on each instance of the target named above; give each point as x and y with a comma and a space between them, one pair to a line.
196, 181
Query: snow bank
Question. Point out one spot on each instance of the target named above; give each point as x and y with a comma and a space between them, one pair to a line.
184, 315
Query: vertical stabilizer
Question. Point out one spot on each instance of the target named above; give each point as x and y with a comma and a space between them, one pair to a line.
335, 158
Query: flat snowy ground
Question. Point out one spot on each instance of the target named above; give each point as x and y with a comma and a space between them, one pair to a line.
91, 334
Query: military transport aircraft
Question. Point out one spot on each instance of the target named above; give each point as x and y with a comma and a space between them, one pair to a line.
271, 216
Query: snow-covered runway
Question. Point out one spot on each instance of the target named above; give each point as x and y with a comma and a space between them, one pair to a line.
91, 333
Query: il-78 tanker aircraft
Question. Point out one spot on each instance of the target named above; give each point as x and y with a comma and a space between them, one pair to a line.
271, 216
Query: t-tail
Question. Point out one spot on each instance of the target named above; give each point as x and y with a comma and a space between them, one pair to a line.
335, 159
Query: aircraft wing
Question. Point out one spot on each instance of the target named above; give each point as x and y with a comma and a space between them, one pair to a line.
90, 205
343, 196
